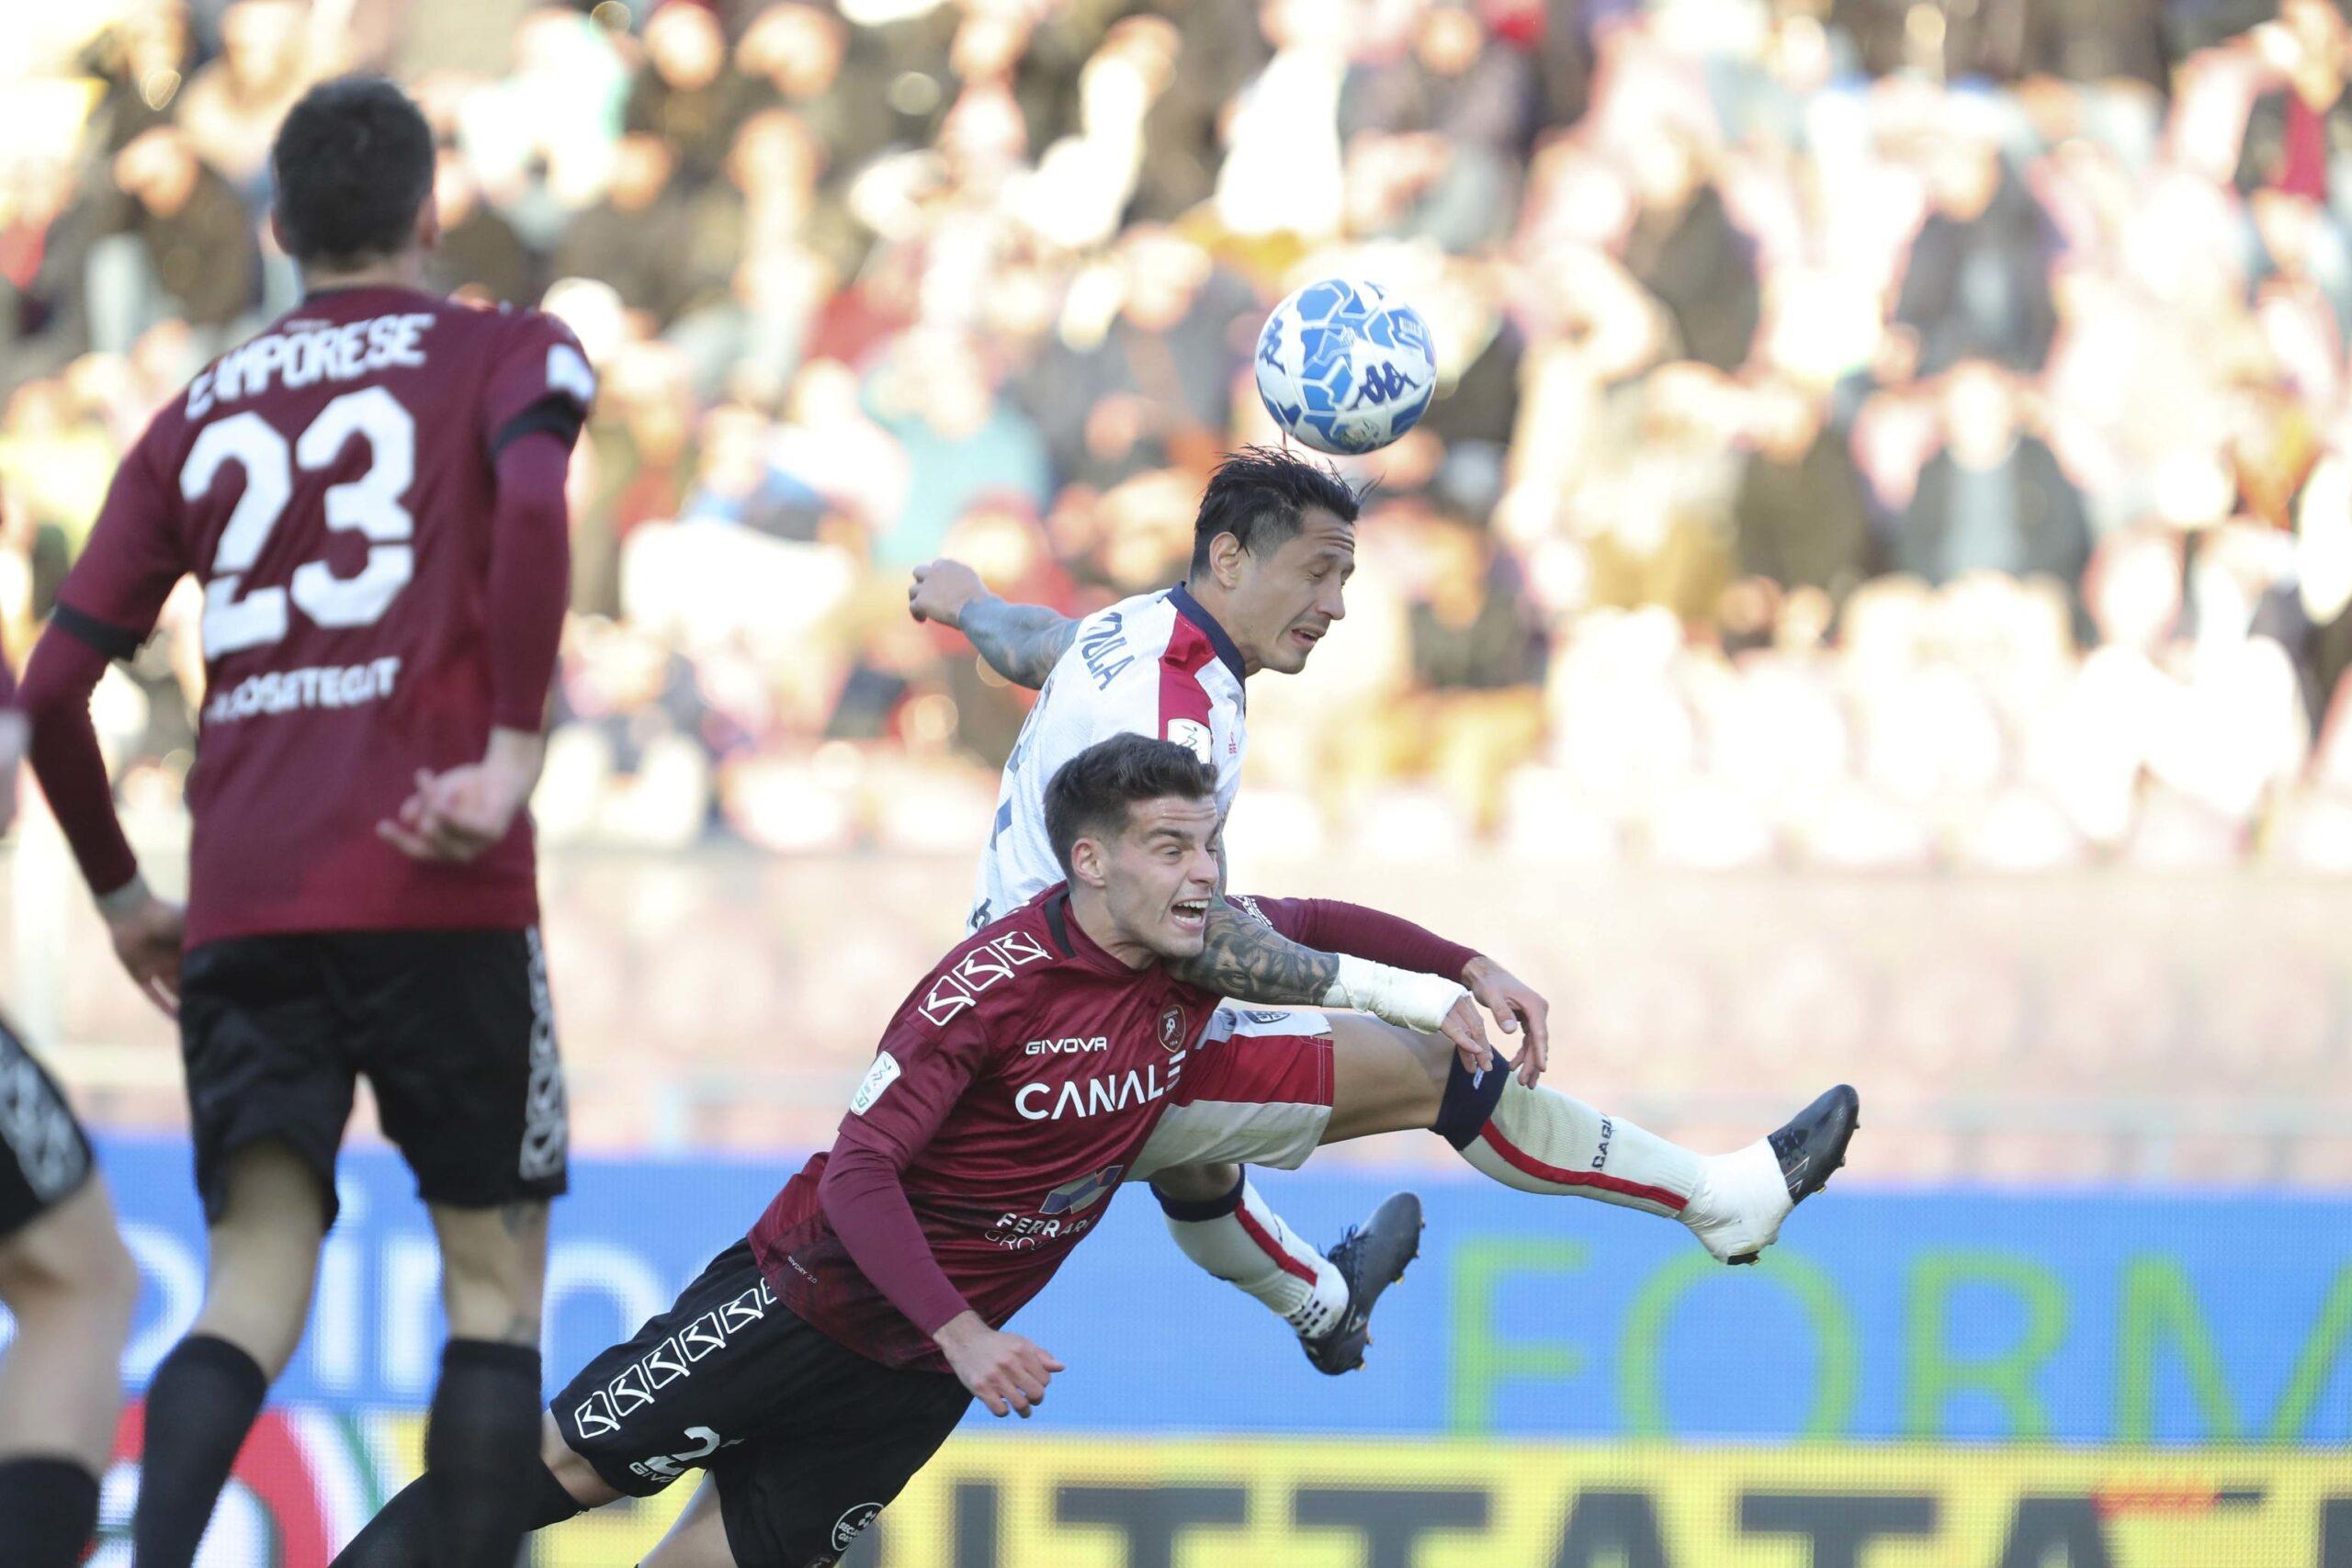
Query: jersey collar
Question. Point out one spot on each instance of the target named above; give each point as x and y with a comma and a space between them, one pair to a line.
1190, 608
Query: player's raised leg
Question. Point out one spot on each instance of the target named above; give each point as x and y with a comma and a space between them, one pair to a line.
269, 1209
71, 1285
1541, 1141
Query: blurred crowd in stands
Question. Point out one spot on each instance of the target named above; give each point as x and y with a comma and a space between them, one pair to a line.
1882, 433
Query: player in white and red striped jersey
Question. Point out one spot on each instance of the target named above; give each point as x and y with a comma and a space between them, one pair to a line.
1273, 547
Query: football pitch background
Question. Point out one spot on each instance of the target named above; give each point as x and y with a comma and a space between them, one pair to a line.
1947, 1380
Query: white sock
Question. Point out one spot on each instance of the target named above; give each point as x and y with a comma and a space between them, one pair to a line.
1541, 1141
1247, 1245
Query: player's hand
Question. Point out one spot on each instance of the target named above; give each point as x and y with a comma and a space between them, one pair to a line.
941, 589
147, 934
457, 814
1004, 1371
1467, 1032
1516, 1008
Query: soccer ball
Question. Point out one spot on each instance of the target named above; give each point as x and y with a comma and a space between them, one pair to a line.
1346, 367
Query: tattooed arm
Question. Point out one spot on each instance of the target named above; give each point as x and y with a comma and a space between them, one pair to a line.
1022, 642
1249, 961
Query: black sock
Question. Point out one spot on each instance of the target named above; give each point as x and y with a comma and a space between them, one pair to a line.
200, 1407
395, 1536
482, 1443
551, 1504
49, 1509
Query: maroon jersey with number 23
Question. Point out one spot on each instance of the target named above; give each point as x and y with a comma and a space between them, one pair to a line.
1013, 1090
331, 484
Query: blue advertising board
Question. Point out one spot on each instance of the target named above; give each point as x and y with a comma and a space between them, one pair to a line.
2090, 1318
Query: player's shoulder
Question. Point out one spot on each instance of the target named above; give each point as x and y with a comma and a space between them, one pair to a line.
999, 965
1119, 648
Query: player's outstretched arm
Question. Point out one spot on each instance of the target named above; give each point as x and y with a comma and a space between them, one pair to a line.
1340, 927
1247, 959
1021, 642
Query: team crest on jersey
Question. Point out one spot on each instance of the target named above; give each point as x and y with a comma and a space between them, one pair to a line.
1193, 735
1171, 1028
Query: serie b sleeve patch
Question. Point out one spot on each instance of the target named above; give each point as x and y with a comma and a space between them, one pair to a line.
1193, 735
879, 1076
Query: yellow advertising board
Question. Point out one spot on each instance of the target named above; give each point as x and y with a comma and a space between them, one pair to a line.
1003, 1500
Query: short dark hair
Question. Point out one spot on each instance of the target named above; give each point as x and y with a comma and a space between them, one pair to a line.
354, 162
1096, 789
1259, 495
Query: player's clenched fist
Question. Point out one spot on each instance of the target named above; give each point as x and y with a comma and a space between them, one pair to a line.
1007, 1372
940, 592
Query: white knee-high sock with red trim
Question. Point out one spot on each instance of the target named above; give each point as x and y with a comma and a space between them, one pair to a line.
1541, 1141
1243, 1241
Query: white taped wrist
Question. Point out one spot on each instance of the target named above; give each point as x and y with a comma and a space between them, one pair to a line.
1404, 998
125, 898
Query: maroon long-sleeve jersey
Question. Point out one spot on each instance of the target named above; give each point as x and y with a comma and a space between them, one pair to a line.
1012, 1090
333, 484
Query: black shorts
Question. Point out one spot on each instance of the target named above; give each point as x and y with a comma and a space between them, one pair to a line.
452, 1029
806, 1440
44, 1158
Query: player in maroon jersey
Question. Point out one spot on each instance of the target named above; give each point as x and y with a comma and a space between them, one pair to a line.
66, 1278
816, 1365
371, 493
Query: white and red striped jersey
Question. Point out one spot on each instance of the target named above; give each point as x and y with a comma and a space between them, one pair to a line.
1156, 664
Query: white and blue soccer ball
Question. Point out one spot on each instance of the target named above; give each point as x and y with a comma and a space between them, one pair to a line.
1346, 367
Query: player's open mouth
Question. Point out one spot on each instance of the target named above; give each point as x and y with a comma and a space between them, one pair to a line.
1308, 635
1192, 912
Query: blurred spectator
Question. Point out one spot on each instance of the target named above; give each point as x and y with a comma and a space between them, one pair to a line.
1977, 283
795, 50
688, 93
142, 63
1684, 249
1799, 515
638, 239
962, 439
481, 253
1994, 498
1154, 388
187, 246
232, 105
1220, 49
1436, 138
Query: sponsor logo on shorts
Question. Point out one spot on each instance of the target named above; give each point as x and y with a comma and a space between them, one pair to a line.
36, 1126
1261, 1018
638, 1383
850, 1526
546, 1121
1608, 1130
